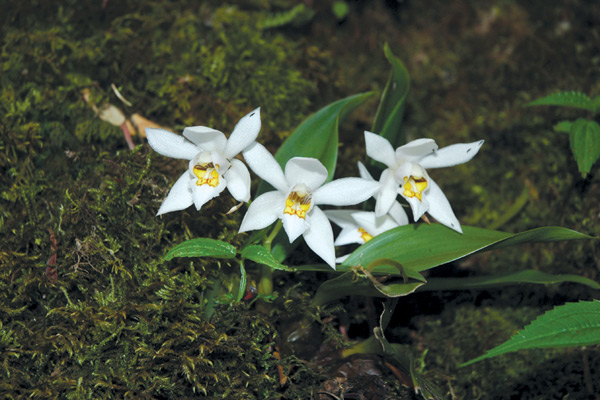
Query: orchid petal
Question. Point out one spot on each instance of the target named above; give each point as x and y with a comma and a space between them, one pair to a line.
206, 138
388, 191
440, 209
419, 207
398, 214
349, 236
244, 133
309, 171
341, 259
170, 145
265, 166
294, 226
319, 237
238, 180
345, 191
372, 224
204, 193
416, 149
451, 155
263, 211
349, 233
179, 197
342, 218
379, 149
364, 172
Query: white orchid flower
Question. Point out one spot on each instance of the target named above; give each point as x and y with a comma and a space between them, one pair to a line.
299, 192
407, 175
212, 166
362, 226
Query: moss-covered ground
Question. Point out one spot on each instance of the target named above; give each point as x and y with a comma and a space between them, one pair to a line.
88, 309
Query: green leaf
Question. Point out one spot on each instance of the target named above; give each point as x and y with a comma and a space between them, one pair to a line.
563, 126
565, 99
421, 247
569, 325
340, 9
585, 144
525, 276
261, 255
202, 247
388, 118
317, 135
596, 102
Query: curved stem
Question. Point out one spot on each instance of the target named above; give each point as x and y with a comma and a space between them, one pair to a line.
269, 239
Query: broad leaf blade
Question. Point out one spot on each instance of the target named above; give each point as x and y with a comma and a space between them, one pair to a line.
510, 278
565, 99
421, 247
388, 118
202, 247
569, 325
261, 255
585, 144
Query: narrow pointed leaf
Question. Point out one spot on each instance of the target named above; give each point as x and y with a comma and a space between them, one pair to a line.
388, 118
510, 278
569, 325
261, 255
421, 247
585, 144
202, 247
565, 99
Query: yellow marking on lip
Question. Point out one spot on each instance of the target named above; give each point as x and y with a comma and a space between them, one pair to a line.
366, 236
414, 187
207, 174
297, 204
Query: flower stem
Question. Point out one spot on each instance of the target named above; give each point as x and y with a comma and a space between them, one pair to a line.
265, 285
274, 232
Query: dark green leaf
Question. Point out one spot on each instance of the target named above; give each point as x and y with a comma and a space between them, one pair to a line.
565, 99
261, 255
420, 247
585, 144
388, 118
569, 325
510, 278
202, 247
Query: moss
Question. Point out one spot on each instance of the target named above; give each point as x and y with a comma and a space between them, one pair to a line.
87, 308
